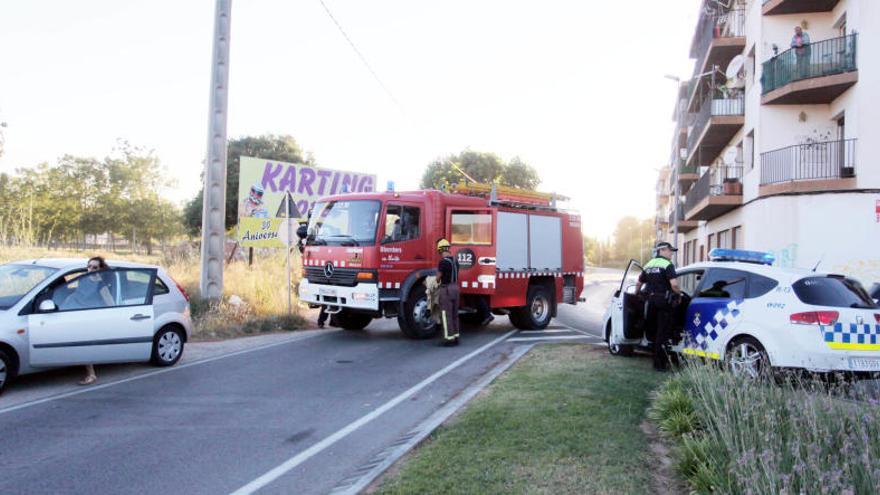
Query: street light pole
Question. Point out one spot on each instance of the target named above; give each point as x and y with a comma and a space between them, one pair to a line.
214, 195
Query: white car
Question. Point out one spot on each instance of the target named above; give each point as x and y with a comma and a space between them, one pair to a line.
741, 309
46, 322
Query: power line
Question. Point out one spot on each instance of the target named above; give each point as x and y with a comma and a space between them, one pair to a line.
361, 56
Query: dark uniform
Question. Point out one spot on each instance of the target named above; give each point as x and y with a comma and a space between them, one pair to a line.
449, 292
660, 300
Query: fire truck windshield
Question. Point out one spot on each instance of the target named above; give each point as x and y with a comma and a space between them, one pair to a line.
351, 223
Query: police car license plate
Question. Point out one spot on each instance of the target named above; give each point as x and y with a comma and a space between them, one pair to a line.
864, 364
326, 292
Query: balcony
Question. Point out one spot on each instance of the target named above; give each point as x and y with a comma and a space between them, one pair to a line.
716, 123
718, 39
779, 7
684, 226
818, 73
718, 191
817, 166
687, 175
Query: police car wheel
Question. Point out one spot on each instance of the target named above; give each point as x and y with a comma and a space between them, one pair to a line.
616, 349
415, 320
746, 357
353, 321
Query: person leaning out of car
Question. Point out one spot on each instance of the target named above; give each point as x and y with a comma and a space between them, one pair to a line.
662, 296
92, 291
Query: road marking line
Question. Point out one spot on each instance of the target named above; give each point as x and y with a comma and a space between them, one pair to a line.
532, 332
421, 431
92, 388
549, 337
280, 470
580, 331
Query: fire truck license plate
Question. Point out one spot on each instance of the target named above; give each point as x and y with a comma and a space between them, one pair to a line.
326, 292
864, 364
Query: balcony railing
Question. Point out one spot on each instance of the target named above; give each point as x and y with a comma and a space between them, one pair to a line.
811, 161
714, 107
731, 24
822, 58
724, 180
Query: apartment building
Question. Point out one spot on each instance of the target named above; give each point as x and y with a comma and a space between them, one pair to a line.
777, 148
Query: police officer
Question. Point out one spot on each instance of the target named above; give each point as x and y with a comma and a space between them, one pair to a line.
662, 295
447, 272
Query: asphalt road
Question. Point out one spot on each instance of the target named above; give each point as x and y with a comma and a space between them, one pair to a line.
301, 416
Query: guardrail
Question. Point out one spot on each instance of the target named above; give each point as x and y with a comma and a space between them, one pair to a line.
717, 181
810, 161
822, 58
714, 107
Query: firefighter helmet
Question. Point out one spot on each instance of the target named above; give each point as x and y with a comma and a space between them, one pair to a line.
442, 245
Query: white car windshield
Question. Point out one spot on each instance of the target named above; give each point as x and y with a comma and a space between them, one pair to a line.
18, 280
344, 222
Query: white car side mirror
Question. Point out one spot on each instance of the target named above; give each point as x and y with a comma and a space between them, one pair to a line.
48, 306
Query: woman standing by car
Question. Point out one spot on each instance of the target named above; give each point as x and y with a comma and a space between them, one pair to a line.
91, 291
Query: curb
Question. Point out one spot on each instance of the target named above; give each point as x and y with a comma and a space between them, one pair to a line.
370, 472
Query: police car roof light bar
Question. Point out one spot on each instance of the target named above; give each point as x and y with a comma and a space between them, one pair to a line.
742, 255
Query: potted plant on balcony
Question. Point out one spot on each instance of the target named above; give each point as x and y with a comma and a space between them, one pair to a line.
732, 186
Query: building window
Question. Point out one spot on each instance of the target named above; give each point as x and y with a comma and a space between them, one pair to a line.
724, 239
750, 68
709, 244
736, 238
749, 150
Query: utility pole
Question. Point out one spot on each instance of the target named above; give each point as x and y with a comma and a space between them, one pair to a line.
214, 197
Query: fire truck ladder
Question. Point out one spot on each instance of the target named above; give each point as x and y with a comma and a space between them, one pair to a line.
509, 196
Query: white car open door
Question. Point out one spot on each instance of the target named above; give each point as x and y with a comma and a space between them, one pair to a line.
101, 317
626, 315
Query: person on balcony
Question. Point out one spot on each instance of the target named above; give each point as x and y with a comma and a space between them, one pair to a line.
800, 43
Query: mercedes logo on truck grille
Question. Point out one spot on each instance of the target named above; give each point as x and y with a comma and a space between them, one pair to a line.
328, 269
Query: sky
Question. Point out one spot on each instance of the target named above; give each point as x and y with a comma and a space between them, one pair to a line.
574, 88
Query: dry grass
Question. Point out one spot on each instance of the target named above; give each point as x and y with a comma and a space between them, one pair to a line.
260, 305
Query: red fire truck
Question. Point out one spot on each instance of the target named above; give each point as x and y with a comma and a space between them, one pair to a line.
367, 255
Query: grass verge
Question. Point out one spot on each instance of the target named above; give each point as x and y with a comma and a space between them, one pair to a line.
737, 436
565, 419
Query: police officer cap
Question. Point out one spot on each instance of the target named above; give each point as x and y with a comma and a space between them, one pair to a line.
666, 245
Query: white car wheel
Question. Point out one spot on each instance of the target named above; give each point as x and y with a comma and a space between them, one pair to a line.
167, 347
746, 357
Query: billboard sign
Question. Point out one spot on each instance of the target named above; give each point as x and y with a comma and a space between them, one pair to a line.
263, 187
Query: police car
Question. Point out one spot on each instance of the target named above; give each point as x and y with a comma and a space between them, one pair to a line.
739, 309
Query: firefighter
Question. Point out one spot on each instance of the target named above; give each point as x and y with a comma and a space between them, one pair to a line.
662, 295
447, 273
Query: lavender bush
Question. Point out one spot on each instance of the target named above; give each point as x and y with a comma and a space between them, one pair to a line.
792, 436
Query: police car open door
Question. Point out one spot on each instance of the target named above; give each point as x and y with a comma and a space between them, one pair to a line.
633, 313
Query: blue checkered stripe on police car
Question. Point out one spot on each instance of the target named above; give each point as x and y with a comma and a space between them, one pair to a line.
724, 317
853, 333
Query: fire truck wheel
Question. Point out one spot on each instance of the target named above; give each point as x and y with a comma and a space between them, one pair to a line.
415, 320
353, 321
536, 314
517, 319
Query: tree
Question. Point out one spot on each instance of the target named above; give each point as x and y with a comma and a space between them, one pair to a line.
482, 167
633, 239
283, 148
